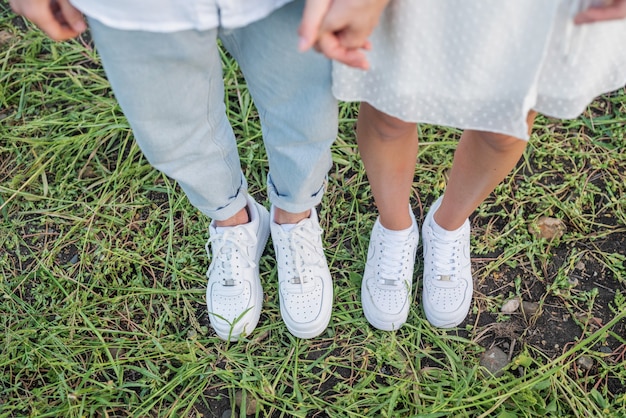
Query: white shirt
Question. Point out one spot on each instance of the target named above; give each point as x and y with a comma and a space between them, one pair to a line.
177, 15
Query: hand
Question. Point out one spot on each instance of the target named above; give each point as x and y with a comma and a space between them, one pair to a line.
339, 28
611, 10
57, 18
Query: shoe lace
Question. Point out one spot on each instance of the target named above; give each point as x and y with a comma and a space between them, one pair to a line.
389, 273
444, 261
229, 254
304, 251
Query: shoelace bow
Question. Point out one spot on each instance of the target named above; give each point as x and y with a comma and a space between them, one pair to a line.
227, 245
304, 251
391, 263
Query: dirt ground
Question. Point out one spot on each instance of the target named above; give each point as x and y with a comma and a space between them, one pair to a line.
548, 323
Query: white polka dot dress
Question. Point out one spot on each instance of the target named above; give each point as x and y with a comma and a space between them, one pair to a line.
483, 64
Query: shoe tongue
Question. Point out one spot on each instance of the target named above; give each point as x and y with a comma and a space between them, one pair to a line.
445, 234
399, 235
287, 227
224, 229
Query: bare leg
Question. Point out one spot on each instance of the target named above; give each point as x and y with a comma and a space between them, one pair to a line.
284, 217
238, 218
388, 147
281, 217
482, 160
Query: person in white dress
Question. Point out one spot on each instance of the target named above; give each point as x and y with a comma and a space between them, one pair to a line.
484, 66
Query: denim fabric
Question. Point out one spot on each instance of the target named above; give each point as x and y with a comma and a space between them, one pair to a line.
170, 88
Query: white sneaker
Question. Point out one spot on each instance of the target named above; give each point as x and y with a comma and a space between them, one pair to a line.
448, 285
386, 285
304, 283
234, 295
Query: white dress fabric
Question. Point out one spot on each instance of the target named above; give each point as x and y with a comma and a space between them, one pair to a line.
483, 64
177, 15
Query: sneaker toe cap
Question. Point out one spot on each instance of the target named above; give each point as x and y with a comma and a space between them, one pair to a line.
306, 314
303, 306
387, 301
232, 315
447, 307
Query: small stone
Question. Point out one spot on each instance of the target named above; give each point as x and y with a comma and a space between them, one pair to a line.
227, 413
548, 228
605, 349
585, 362
510, 306
494, 360
530, 308
5, 37
580, 266
251, 403
581, 317
88, 172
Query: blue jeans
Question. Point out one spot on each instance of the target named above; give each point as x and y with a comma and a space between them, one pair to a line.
170, 88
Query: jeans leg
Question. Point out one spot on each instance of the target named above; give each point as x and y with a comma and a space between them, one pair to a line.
292, 91
170, 88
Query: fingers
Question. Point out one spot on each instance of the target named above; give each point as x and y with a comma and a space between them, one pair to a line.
331, 47
354, 39
616, 10
57, 18
72, 17
340, 29
312, 17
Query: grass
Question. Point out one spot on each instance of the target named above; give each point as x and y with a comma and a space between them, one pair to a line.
102, 267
